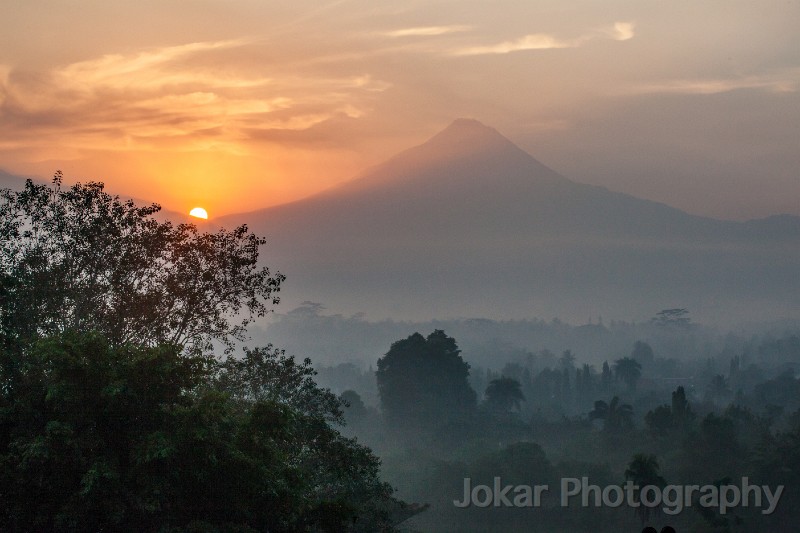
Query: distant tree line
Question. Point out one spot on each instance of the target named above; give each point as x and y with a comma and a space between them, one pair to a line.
621, 423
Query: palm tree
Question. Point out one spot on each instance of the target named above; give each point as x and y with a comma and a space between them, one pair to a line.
628, 370
616, 416
643, 471
504, 394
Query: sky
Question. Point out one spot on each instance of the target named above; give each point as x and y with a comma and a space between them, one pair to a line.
235, 105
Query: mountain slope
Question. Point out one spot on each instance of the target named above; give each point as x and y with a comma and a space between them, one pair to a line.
469, 224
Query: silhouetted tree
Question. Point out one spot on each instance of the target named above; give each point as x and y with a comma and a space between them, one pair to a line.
616, 416
423, 383
681, 410
82, 259
353, 406
643, 470
665, 418
504, 394
95, 437
113, 417
713, 451
718, 390
642, 353
606, 378
628, 370
567, 360
672, 317
584, 384
659, 421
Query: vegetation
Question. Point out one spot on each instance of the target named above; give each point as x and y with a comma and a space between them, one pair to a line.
80, 259
650, 418
117, 413
423, 386
643, 471
504, 395
114, 413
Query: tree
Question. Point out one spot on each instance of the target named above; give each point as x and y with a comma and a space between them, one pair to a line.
606, 377
642, 353
672, 317
351, 498
643, 471
113, 414
567, 360
268, 374
584, 384
97, 437
354, 407
504, 394
616, 416
659, 421
718, 390
628, 371
665, 418
423, 383
714, 450
81, 259
682, 413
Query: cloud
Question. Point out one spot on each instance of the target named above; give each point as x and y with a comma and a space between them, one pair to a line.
184, 97
426, 31
621, 31
120, 71
785, 82
538, 41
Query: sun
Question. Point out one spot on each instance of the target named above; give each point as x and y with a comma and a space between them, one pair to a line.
199, 212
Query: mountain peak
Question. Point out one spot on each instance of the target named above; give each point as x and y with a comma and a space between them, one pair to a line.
465, 152
468, 133
464, 124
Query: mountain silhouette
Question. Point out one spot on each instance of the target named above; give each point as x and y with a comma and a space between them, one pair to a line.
469, 224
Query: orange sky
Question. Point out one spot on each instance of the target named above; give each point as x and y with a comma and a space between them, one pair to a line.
240, 104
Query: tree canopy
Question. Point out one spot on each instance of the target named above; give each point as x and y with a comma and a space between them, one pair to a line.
95, 437
80, 258
643, 470
423, 382
617, 416
628, 370
504, 394
115, 416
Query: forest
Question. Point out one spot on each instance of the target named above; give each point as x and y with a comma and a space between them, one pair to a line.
541, 419
130, 399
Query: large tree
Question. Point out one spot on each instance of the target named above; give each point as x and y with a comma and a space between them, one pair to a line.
423, 383
643, 470
628, 370
113, 414
504, 394
80, 258
95, 437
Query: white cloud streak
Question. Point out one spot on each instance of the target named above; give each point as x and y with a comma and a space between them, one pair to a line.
537, 41
786, 82
621, 31
427, 31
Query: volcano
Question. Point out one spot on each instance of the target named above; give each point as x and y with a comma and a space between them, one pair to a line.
470, 225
